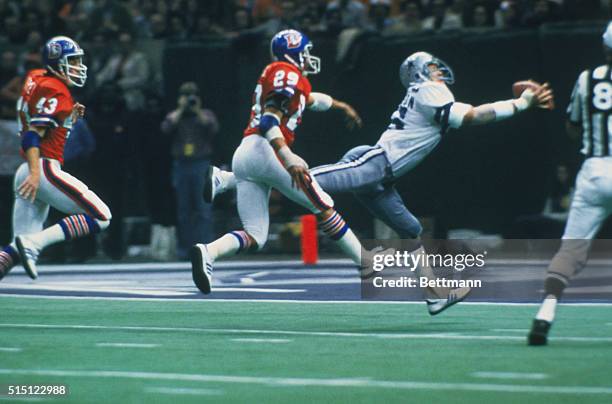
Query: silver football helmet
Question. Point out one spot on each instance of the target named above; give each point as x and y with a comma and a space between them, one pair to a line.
415, 69
607, 36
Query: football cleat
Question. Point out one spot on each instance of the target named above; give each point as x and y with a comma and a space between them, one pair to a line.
28, 252
212, 182
201, 268
6, 263
539, 332
437, 306
366, 270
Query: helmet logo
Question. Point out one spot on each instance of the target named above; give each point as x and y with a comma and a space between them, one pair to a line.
294, 39
55, 50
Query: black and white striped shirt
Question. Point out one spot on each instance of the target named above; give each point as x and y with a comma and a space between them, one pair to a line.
591, 106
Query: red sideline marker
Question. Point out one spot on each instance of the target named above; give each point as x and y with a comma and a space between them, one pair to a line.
310, 242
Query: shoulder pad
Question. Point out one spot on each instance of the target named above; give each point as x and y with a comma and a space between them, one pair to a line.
434, 94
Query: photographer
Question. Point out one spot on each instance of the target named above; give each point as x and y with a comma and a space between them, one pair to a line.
192, 129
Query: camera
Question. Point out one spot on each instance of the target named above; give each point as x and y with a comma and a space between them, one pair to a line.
192, 100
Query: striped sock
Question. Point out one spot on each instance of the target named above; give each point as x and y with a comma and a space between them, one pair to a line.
336, 228
76, 226
8, 259
230, 244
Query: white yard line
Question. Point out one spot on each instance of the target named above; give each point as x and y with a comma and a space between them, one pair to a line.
519, 330
443, 336
263, 340
315, 382
510, 375
9, 349
183, 391
125, 345
351, 302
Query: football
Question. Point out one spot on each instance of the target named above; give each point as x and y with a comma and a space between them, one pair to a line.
520, 86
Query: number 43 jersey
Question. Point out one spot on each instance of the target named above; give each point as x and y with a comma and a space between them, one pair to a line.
591, 106
46, 102
286, 80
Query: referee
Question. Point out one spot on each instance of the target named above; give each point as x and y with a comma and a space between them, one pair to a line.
590, 110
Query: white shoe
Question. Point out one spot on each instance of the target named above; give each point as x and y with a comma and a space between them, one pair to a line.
212, 184
28, 252
437, 306
201, 268
366, 270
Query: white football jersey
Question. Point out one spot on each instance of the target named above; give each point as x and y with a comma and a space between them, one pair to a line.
418, 124
591, 105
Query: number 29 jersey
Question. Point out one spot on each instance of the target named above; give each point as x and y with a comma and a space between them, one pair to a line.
284, 79
591, 106
46, 102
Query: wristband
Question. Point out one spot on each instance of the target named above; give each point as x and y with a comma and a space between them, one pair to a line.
30, 139
321, 102
267, 125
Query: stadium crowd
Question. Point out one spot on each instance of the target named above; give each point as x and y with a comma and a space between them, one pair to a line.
194, 19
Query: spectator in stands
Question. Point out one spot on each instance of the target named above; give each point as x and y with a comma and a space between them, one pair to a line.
480, 18
129, 70
379, 14
192, 129
311, 19
543, 11
30, 58
7, 9
111, 15
409, 21
10, 85
158, 27
508, 15
442, 18
348, 13
204, 27
12, 30
177, 27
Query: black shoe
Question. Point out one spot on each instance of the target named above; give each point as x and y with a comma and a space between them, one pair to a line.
539, 332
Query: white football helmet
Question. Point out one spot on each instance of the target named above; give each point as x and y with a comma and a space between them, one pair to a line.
415, 69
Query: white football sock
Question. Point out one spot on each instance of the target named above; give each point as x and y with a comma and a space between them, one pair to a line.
350, 245
50, 235
226, 245
227, 179
547, 309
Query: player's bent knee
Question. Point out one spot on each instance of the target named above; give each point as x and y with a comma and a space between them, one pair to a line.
103, 224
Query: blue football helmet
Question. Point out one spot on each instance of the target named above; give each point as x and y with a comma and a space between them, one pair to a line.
416, 69
294, 47
64, 56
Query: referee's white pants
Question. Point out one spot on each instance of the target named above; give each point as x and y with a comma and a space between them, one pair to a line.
257, 170
592, 202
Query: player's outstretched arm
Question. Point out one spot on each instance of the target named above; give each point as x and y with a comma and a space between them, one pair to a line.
540, 97
30, 144
324, 102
